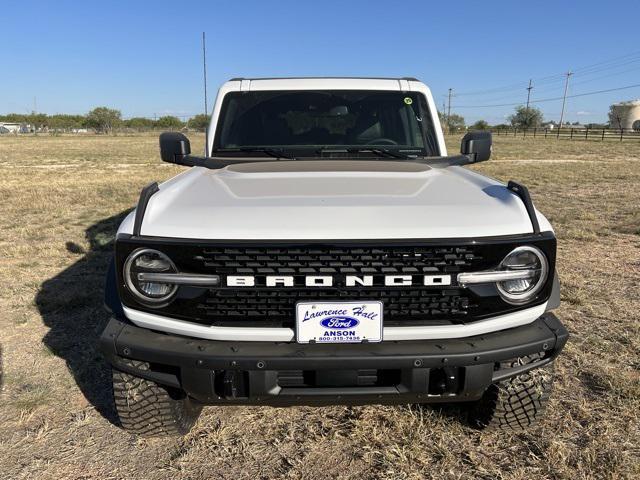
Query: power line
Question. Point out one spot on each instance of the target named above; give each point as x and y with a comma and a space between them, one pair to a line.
507, 88
560, 86
515, 86
552, 99
606, 76
604, 65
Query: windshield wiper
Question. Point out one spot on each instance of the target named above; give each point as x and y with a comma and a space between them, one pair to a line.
270, 151
381, 152
273, 152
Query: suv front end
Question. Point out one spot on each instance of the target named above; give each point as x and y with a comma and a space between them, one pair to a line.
243, 284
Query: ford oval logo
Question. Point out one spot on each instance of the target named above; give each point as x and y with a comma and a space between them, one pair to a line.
339, 322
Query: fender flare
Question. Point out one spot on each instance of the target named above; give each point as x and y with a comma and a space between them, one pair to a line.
111, 298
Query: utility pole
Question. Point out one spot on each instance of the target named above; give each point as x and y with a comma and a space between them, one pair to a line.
206, 113
528, 98
449, 111
564, 97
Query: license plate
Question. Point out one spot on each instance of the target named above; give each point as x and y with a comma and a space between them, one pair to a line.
338, 322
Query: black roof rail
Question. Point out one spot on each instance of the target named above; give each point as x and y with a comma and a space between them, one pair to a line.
146, 193
523, 192
411, 79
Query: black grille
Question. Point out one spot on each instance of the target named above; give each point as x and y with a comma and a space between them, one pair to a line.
365, 261
226, 306
260, 305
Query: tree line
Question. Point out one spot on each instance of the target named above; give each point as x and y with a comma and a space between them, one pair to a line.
103, 120
523, 117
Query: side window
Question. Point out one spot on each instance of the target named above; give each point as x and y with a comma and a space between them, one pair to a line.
225, 128
428, 128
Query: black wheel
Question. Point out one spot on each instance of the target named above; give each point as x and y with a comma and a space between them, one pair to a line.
517, 403
148, 409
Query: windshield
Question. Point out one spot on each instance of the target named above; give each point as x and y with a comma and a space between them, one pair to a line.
312, 123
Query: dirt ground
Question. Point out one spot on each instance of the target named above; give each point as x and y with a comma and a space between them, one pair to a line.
61, 199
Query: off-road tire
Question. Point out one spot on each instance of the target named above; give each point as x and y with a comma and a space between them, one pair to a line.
517, 403
148, 409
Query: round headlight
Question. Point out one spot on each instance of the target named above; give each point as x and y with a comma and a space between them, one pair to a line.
535, 267
146, 260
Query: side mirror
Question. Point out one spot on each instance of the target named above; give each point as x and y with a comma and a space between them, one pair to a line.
477, 144
174, 147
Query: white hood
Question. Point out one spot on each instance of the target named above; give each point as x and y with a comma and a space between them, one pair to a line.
337, 200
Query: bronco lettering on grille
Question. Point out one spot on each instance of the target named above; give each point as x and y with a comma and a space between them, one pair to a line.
346, 281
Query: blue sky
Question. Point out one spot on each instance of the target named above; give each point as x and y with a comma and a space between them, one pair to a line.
144, 57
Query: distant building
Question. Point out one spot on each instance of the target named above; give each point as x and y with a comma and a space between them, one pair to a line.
11, 127
625, 115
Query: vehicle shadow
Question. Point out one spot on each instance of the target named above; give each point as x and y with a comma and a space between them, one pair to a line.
71, 305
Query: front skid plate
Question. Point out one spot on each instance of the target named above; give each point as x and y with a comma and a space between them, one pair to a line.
194, 365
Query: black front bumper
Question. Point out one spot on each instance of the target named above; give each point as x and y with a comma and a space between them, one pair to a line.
280, 374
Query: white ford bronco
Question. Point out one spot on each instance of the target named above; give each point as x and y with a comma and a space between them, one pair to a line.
327, 250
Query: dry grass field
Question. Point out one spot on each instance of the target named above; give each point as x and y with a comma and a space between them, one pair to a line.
60, 201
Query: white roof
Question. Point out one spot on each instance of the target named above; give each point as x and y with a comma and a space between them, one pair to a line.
324, 83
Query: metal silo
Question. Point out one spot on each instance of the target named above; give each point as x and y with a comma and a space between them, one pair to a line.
625, 115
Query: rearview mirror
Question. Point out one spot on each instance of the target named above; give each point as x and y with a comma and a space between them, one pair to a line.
477, 144
174, 147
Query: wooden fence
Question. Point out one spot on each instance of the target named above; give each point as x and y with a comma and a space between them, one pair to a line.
582, 133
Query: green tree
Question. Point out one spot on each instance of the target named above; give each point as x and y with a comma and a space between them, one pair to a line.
526, 117
13, 118
104, 119
200, 122
480, 125
65, 122
37, 120
140, 123
170, 122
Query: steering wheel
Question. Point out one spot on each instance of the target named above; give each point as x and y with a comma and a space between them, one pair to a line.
382, 141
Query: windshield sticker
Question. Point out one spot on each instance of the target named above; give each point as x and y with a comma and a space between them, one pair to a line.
408, 100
